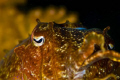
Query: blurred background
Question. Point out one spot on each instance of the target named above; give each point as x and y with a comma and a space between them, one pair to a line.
18, 18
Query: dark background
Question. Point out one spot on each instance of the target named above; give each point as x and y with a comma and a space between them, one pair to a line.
95, 14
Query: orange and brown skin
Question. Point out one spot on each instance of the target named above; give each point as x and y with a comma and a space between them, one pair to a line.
67, 54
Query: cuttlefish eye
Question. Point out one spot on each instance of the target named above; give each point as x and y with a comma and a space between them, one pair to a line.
38, 41
110, 46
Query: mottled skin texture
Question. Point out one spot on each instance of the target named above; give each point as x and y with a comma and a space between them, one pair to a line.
68, 53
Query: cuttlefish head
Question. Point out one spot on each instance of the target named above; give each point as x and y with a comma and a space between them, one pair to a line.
65, 51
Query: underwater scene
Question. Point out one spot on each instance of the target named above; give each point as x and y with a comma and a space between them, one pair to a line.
50, 40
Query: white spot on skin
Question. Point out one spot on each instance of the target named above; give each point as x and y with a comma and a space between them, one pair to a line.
84, 56
70, 58
80, 51
85, 40
26, 61
34, 56
62, 65
76, 66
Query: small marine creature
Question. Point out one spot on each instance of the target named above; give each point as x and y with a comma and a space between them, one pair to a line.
62, 52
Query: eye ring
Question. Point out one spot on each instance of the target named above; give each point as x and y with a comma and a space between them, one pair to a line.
38, 41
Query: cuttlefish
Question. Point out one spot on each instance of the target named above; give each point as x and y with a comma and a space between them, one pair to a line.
66, 51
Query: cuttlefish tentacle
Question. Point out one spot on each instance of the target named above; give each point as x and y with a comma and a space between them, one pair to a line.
115, 56
88, 45
107, 77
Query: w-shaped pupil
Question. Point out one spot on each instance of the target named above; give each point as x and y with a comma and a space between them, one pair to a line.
39, 41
